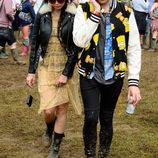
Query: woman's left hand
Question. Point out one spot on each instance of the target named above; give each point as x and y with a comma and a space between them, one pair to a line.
62, 80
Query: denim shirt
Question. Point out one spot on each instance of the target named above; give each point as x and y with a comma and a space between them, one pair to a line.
104, 71
108, 59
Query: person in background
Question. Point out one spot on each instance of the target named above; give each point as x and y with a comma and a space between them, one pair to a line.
57, 61
33, 2
3, 52
148, 33
17, 8
6, 31
140, 8
26, 16
108, 33
154, 24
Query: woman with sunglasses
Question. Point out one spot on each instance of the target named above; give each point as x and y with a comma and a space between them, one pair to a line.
55, 68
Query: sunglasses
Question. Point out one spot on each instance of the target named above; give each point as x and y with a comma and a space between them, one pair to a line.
54, 1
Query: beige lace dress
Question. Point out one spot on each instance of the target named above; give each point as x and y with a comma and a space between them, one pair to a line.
50, 68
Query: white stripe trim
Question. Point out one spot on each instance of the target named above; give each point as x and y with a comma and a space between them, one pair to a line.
133, 81
122, 75
80, 72
133, 84
94, 19
95, 16
80, 69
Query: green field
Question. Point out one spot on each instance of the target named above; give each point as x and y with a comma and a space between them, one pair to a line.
21, 128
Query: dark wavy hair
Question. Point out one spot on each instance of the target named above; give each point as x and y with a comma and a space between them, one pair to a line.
62, 15
63, 8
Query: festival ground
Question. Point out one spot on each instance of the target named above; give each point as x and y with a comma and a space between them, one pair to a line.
21, 128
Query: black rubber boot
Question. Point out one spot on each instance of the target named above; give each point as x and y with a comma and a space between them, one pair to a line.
153, 43
90, 133
144, 45
47, 136
90, 146
106, 134
150, 39
54, 151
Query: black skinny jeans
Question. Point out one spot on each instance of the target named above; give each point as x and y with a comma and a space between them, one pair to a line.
99, 103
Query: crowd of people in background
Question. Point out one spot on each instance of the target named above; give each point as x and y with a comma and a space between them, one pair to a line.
24, 11
15, 16
146, 14
6, 31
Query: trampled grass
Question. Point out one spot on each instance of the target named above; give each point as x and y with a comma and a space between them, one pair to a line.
135, 136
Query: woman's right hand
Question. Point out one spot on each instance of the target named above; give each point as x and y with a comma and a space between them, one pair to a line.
30, 80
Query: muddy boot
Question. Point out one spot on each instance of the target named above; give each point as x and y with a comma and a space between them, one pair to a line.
54, 151
15, 57
144, 46
24, 50
3, 54
106, 134
150, 39
47, 136
90, 147
153, 43
103, 153
90, 133
25, 47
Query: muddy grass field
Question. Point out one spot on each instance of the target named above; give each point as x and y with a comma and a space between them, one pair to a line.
21, 128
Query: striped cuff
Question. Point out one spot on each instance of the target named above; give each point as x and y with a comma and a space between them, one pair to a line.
133, 82
95, 18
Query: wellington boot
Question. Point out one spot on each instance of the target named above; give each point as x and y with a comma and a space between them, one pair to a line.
153, 43
47, 136
106, 134
25, 50
15, 57
54, 151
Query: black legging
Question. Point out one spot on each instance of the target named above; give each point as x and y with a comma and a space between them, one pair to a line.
99, 103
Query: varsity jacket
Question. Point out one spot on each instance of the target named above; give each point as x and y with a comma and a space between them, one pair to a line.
125, 41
